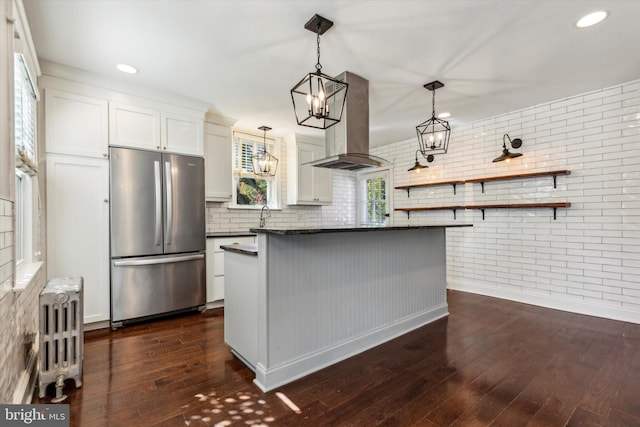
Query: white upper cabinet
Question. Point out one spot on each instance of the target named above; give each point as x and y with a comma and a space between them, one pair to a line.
76, 124
150, 129
307, 185
182, 134
134, 127
217, 160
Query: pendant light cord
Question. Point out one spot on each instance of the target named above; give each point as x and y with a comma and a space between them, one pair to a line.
318, 65
264, 140
433, 105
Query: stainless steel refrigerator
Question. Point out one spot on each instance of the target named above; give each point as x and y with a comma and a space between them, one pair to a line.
157, 233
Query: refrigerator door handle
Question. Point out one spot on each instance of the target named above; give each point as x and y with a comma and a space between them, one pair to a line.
169, 191
158, 185
162, 260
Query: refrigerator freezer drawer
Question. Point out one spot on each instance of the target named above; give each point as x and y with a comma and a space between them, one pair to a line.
148, 286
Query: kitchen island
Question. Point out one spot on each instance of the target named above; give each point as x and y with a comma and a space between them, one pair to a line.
303, 299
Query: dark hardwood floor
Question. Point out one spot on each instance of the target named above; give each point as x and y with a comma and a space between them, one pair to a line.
491, 362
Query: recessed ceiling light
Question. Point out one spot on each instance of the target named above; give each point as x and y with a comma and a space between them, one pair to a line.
444, 115
127, 68
591, 19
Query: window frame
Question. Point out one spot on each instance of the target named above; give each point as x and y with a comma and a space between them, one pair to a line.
238, 172
25, 104
363, 200
18, 210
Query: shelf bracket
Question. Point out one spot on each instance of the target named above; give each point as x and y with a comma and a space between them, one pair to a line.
454, 190
454, 211
482, 185
408, 212
482, 214
554, 209
554, 184
408, 192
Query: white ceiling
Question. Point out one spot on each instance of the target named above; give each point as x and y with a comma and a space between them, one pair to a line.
243, 56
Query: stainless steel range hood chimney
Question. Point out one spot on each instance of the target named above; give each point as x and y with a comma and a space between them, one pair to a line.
347, 142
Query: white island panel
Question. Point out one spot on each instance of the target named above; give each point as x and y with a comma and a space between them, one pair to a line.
323, 297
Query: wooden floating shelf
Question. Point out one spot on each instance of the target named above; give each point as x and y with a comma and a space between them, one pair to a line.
554, 174
429, 184
430, 208
552, 205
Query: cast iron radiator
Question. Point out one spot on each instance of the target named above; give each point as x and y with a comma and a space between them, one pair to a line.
61, 334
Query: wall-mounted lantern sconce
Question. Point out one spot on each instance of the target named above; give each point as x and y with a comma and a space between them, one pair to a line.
506, 154
417, 167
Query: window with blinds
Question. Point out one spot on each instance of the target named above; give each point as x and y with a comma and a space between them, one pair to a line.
252, 190
25, 113
25, 116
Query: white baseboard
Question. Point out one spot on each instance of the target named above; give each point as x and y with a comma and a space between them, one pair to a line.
268, 379
546, 301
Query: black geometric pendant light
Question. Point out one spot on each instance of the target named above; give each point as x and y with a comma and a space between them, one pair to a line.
318, 99
433, 134
264, 163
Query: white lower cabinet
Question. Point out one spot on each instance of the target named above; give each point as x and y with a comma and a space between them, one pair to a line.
241, 307
215, 266
78, 227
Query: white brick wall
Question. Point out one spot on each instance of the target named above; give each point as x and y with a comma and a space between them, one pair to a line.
342, 212
588, 260
6, 246
18, 310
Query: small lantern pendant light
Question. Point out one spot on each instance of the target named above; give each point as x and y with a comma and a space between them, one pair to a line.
433, 134
264, 163
318, 99
506, 154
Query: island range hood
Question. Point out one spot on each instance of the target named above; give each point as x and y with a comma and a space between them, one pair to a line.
347, 142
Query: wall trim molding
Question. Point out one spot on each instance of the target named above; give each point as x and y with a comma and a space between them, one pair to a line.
269, 379
546, 301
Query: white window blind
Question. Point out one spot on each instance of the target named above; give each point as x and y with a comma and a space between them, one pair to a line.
252, 190
25, 115
244, 146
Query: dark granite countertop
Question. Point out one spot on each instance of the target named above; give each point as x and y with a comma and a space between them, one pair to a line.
293, 231
230, 234
242, 248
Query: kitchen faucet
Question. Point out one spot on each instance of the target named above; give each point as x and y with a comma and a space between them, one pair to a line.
263, 218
